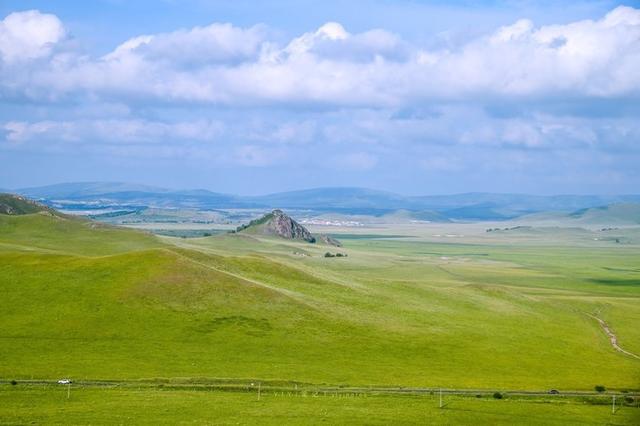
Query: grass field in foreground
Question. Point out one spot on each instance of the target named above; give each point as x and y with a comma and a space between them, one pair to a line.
49, 404
499, 311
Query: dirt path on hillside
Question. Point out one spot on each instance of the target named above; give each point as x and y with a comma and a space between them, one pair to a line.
294, 295
612, 337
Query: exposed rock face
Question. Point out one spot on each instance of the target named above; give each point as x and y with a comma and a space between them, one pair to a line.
279, 224
329, 240
285, 227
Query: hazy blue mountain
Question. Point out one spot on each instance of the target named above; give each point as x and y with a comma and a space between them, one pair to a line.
524, 202
361, 201
105, 193
481, 211
80, 190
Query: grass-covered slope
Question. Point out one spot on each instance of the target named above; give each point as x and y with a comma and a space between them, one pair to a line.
620, 214
69, 235
11, 204
88, 301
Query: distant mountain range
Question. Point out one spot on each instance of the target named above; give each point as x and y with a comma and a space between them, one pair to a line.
360, 201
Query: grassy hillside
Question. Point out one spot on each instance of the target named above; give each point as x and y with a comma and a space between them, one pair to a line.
622, 214
256, 226
68, 235
614, 214
499, 310
90, 301
11, 204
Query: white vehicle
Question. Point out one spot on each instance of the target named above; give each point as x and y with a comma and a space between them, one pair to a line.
64, 382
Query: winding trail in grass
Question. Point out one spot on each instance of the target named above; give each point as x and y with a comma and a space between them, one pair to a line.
612, 337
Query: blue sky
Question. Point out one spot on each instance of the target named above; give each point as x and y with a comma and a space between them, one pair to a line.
251, 97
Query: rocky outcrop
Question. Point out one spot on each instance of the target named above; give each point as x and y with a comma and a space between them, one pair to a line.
284, 226
279, 224
329, 240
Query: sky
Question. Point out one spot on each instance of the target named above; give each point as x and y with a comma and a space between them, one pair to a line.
252, 97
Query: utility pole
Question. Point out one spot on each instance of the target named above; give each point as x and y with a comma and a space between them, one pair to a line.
68, 390
440, 397
259, 388
613, 405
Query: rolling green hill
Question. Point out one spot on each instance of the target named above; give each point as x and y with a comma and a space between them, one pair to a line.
54, 233
89, 301
237, 306
620, 214
614, 214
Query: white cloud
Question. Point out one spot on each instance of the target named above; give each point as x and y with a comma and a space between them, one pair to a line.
514, 32
28, 35
346, 89
215, 43
332, 42
223, 64
331, 31
111, 130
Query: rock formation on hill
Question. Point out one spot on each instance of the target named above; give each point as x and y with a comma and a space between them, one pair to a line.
279, 224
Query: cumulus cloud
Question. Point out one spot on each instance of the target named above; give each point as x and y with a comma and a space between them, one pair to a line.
28, 35
224, 64
199, 46
332, 41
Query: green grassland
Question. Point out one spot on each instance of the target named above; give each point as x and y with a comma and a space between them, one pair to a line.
47, 404
499, 310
